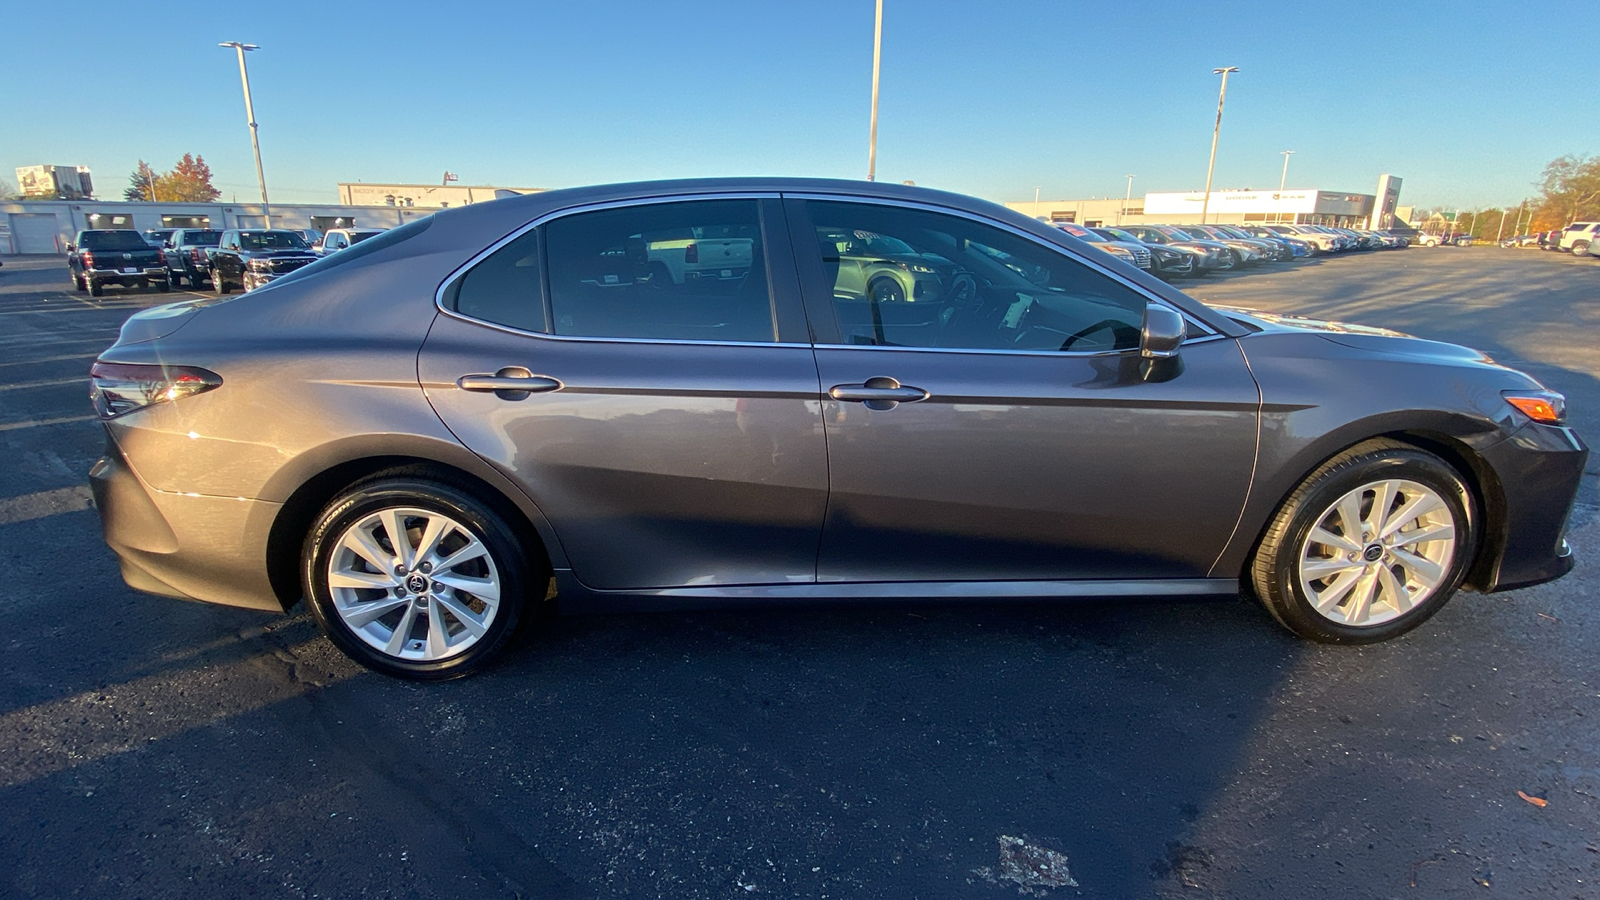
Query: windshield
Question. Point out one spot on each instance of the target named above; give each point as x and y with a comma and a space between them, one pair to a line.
1117, 234
357, 237
1083, 234
271, 240
113, 240
1179, 234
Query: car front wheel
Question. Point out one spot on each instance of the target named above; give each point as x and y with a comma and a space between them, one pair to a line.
1579, 248
1368, 547
415, 578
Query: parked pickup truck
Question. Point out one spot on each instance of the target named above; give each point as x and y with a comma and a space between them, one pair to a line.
114, 256
250, 259
343, 239
690, 254
188, 255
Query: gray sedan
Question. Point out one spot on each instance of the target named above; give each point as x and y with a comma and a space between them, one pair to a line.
431, 434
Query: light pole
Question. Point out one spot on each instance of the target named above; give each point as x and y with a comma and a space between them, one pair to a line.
1205, 204
250, 116
877, 55
1283, 180
1125, 198
1036, 201
1501, 228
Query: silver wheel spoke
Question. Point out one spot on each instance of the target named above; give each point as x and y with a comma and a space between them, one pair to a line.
438, 640
349, 578
1328, 538
1350, 517
1329, 598
397, 638
485, 589
432, 534
1419, 567
1326, 568
1361, 598
361, 544
468, 619
1382, 499
1399, 598
395, 528
1424, 534
360, 614
471, 551
1418, 506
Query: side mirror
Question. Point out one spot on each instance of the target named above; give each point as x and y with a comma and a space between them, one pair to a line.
1163, 332
71, 246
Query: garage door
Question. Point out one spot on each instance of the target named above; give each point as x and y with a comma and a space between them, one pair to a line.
34, 232
252, 221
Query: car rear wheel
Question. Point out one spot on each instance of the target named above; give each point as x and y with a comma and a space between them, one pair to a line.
1579, 248
78, 283
164, 285
1368, 547
415, 578
95, 288
886, 290
218, 283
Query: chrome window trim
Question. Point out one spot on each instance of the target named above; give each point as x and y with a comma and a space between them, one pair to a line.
456, 273
1004, 226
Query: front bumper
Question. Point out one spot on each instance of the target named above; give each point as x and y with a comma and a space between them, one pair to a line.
188, 546
1540, 467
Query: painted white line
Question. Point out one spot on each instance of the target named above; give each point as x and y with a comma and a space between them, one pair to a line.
45, 359
44, 503
31, 423
81, 379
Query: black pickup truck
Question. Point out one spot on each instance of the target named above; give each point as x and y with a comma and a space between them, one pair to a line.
188, 255
252, 258
115, 256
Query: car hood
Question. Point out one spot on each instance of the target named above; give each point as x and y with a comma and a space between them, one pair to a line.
1360, 337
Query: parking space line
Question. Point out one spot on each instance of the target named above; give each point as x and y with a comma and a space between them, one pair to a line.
45, 359
33, 423
79, 379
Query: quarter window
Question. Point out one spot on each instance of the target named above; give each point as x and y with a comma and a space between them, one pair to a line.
910, 278
691, 271
504, 288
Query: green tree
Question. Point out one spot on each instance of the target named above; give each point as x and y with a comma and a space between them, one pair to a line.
188, 182
141, 184
7, 192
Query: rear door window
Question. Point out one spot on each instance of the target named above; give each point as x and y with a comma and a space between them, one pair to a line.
685, 271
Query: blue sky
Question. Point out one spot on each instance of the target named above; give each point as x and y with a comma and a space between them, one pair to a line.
1465, 100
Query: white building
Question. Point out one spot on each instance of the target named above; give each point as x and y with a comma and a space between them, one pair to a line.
1292, 206
424, 196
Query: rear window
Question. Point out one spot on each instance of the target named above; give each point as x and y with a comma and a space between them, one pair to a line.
113, 240
202, 238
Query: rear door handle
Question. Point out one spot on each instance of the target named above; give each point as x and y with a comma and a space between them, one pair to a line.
510, 383
881, 392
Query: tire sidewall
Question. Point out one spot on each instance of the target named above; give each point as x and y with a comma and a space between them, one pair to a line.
1409, 465
487, 525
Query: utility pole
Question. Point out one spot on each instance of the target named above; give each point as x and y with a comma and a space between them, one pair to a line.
1283, 180
250, 116
1125, 198
1205, 204
1502, 227
1036, 201
877, 55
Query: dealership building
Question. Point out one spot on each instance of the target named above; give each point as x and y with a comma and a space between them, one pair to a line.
45, 226
1296, 206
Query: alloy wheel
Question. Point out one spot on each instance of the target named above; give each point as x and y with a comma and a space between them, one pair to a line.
1378, 552
414, 584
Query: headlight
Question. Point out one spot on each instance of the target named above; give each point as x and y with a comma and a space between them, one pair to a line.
1119, 252
1544, 407
261, 264
920, 269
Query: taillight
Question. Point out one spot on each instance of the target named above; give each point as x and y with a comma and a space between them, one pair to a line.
88, 260
691, 253
119, 388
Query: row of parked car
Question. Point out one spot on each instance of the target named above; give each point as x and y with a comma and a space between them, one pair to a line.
1579, 239
1192, 251
221, 259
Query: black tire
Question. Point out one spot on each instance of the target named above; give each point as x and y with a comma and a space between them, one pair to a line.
1275, 569
219, 283
1579, 248
164, 285
521, 582
96, 289
78, 284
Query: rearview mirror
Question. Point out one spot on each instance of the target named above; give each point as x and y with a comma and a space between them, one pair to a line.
1163, 332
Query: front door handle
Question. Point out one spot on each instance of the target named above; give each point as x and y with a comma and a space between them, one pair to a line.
510, 383
881, 392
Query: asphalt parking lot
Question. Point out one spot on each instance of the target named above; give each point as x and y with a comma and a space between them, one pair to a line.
155, 748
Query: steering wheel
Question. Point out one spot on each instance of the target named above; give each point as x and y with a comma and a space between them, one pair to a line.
1102, 325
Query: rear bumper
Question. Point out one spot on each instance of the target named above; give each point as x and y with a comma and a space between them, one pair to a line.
1542, 466
184, 545
122, 276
